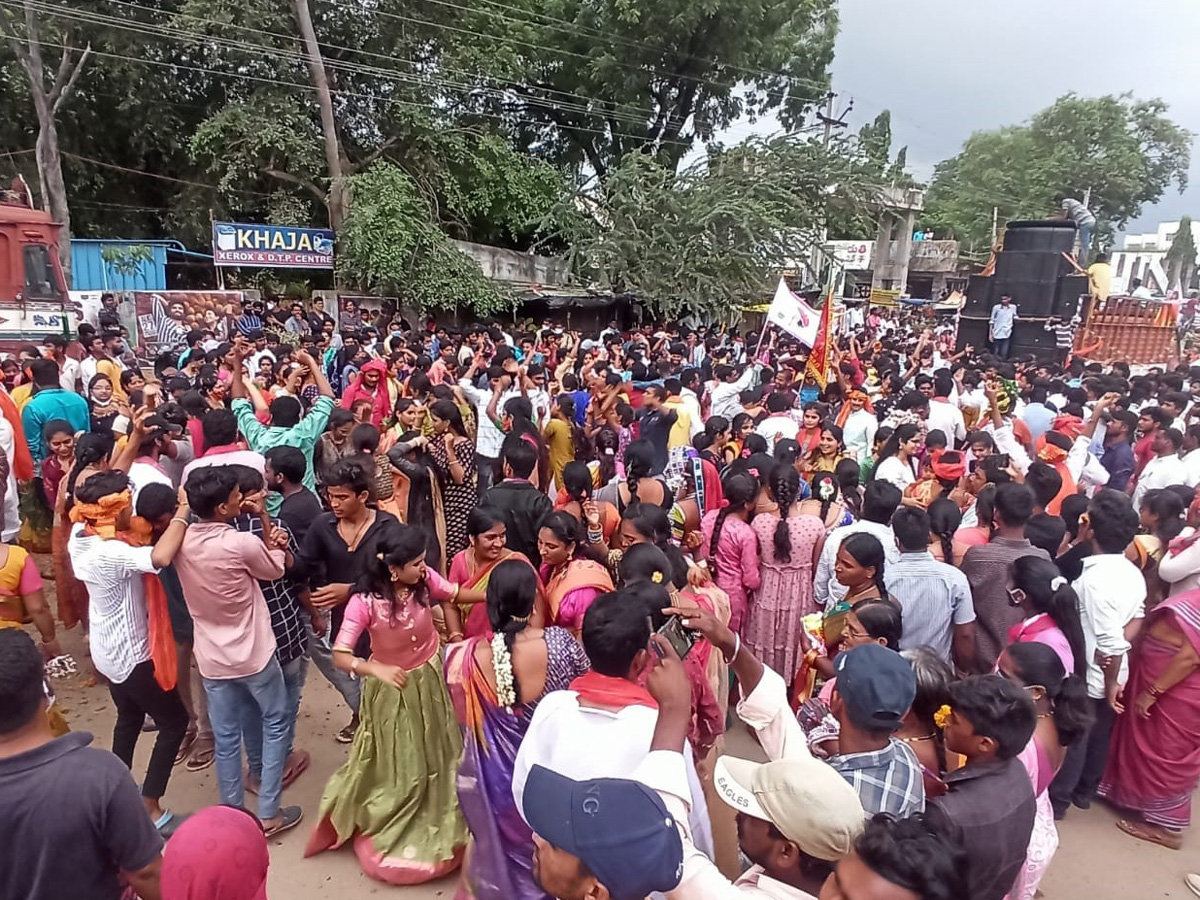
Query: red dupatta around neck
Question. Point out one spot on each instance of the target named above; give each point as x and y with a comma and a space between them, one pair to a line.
604, 690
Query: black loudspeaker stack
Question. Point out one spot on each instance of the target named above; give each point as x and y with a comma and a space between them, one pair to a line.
1041, 281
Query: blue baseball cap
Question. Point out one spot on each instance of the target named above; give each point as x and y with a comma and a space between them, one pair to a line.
618, 828
876, 684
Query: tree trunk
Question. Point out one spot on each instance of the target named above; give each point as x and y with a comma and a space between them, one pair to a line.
54, 188
339, 200
48, 97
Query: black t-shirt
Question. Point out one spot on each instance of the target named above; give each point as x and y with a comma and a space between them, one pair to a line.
71, 818
299, 511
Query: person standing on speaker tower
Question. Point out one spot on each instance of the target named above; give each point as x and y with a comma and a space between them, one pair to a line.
1084, 221
1000, 325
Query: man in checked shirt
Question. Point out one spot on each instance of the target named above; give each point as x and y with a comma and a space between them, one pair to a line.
284, 599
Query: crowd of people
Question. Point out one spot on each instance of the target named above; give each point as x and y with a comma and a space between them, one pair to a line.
951, 595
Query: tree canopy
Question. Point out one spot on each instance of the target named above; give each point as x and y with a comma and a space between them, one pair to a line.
1126, 152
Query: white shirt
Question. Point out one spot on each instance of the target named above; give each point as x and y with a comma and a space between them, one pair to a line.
947, 418
776, 427
691, 404
68, 375
1112, 593
827, 590
899, 473
724, 395
142, 474
584, 742
118, 630
87, 370
488, 438
1191, 466
859, 434
12, 516
1181, 570
1160, 472
766, 712
255, 461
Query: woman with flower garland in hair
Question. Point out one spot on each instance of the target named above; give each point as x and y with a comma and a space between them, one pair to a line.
825, 503
789, 545
395, 796
730, 546
495, 684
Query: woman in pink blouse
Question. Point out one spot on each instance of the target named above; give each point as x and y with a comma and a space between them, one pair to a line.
1051, 611
731, 547
396, 794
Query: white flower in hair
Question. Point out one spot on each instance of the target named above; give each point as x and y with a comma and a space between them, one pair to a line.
506, 694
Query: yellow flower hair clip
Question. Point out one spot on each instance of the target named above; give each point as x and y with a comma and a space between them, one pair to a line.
942, 716
657, 577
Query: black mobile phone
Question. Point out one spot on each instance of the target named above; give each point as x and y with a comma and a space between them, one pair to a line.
680, 638
1003, 461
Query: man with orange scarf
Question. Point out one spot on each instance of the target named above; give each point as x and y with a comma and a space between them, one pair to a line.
373, 385
859, 424
131, 641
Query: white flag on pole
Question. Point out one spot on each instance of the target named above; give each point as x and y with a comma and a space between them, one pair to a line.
793, 315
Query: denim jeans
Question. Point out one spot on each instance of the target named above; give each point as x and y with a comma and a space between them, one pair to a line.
1000, 347
1085, 243
293, 677
320, 651
230, 701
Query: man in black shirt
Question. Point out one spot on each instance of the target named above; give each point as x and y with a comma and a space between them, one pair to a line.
524, 506
61, 794
284, 473
656, 424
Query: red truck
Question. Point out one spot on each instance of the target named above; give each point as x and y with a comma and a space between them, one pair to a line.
33, 292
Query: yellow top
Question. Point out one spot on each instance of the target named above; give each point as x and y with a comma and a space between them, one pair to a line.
560, 447
1099, 280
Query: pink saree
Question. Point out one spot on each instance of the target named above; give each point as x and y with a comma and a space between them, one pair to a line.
1154, 763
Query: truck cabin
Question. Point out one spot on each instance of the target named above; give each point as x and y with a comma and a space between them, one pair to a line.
29, 263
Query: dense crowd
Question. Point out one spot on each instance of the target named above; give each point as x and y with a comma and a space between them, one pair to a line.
950, 594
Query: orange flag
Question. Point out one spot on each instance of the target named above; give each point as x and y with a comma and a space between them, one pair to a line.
822, 351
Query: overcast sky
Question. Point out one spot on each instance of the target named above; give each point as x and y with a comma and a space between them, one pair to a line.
947, 68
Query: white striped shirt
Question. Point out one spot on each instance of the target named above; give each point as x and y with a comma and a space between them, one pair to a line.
117, 629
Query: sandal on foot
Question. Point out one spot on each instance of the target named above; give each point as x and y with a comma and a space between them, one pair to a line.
250, 785
289, 817
185, 748
204, 752
1151, 835
346, 735
297, 763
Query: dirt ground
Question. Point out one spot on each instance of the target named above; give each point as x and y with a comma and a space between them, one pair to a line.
1094, 859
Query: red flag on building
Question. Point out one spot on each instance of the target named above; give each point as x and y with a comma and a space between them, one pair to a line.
823, 349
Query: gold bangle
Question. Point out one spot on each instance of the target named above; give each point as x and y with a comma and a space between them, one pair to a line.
454, 595
180, 519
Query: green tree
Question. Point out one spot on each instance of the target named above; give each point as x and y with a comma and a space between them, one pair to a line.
588, 83
712, 237
1127, 152
1180, 261
390, 244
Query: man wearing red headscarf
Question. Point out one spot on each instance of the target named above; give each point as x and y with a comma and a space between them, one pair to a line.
373, 385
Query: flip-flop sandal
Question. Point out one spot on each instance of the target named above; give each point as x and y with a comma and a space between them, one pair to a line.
203, 755
1137, 830
248, 784
290, 817
300, 761
185, 749
346, 735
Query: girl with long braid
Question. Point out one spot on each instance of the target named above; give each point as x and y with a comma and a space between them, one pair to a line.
495, 683
730, 545
789, 545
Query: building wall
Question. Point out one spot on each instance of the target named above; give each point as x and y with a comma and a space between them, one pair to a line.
500, 264
89, 271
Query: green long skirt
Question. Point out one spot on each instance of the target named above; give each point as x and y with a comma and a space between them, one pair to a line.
396, 796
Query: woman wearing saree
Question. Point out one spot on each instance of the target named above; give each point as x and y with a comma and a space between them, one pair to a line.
415, 491
495, 684
572, 577
471, 569
1154, 761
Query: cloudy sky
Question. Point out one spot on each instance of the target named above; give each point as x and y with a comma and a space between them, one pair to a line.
947, 68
